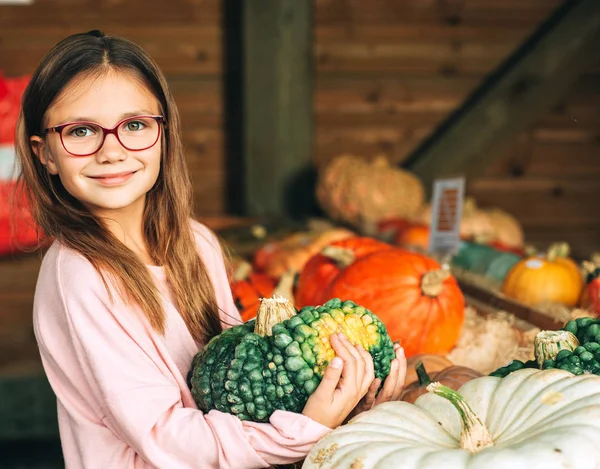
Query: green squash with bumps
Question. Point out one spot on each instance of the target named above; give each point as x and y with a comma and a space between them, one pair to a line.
277, 360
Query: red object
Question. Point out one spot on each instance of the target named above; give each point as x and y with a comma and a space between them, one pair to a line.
248, 288
593, 291
502, 247
390, 229
11, 91
321, 269
17, 228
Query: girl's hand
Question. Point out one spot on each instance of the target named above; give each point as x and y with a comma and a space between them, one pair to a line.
392, 388
344, 384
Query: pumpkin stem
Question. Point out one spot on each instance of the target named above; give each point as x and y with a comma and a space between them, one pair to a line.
547, 344
285, 287
474, 436
470, 206
380, 161
424, 379
341, 256
530, 250
558, 250
242, 271
270, 312
432, 282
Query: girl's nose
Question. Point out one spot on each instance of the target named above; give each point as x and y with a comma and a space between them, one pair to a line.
111, 150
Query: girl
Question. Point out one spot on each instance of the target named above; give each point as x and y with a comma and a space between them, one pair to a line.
132, 287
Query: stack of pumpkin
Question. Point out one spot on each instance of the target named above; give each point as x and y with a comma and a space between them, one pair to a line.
419, 301
551, 281
377, 198
453, 417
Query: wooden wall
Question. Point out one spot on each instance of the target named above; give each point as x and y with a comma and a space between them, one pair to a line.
388, 71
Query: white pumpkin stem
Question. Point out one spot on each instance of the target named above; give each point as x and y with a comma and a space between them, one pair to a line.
380, 161
558, 250
272, 311
432, 282
589, 267
547, 344
470, 207
242, 271
341, 256
285, 286
474, 436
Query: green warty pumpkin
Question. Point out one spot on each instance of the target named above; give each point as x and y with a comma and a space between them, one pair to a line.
277, 361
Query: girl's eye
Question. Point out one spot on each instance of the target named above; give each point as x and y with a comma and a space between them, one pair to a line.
81, 132
134, 126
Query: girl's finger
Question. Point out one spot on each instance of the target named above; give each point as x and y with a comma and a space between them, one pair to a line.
369, 366
389, 385
330, 379
360, 365
351, 348
401, 374
369, 398
343, 351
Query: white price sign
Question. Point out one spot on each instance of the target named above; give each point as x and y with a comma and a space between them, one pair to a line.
446, 213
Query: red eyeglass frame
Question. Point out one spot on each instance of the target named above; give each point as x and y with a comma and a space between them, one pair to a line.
59, 128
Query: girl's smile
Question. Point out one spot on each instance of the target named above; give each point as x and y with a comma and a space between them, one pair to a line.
114, 179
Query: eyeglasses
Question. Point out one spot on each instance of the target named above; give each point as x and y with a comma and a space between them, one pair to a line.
86, 138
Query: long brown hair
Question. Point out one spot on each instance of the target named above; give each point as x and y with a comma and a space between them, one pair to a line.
168, 210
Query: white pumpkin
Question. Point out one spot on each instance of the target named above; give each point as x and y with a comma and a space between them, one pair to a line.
531, 419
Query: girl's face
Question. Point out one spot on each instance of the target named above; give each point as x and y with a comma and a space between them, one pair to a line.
113, 180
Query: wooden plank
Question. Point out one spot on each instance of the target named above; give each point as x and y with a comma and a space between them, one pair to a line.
190, 58
367, 141
522, 89
373, 94
436, 32
501, 302
380, 97
197, 97
541, 202
89, 14
411, 11
450, 58
538, 159
583, 240
277, 106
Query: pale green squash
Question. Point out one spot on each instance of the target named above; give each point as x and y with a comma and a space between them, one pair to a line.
531, 419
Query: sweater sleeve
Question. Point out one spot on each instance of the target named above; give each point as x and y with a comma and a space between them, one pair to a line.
140, 399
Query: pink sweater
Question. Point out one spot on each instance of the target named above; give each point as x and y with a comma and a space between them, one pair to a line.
123, 402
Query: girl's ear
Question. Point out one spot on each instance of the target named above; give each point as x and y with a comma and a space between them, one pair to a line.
41, 151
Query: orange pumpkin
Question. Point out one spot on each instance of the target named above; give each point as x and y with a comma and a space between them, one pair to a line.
291, 253
322, 268
419, 302
453, 377
432, 361
363, 192
415, 235
553, 277
247, 288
